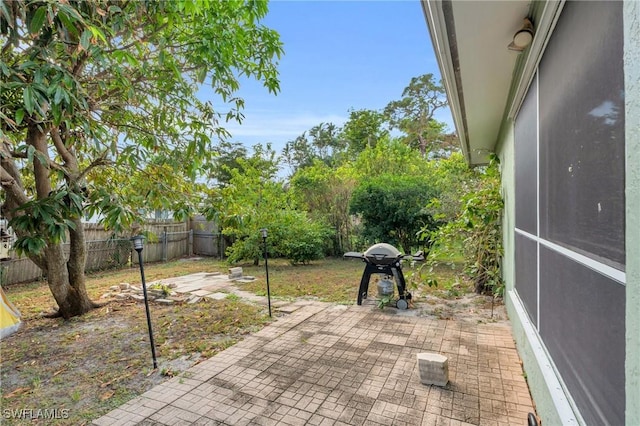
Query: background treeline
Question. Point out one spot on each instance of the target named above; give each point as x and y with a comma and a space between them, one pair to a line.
393, 176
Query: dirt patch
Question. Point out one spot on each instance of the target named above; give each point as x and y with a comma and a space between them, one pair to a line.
467, 307
453, 300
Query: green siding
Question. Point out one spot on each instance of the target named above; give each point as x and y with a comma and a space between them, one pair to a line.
632, 117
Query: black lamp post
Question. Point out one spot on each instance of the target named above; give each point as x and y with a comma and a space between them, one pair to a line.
263, 231
137, 246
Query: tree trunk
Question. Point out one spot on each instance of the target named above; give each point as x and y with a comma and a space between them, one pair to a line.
66, 278
423, 146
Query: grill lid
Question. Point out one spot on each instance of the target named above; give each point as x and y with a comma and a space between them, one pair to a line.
382, 251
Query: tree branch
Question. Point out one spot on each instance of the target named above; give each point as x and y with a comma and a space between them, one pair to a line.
67, 156
15, 196
50, 163
100, 161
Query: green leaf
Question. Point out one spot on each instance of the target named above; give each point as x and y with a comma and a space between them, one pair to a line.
30, 151
85, 39
97, 33
37, 20
42, 158
59, 95
27, 96
19, 116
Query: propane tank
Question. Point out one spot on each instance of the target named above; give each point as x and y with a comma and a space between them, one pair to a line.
385, 287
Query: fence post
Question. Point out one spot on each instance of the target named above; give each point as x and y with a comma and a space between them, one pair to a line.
190, 246
165, 244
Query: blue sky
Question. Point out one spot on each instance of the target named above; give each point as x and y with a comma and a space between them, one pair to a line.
338, 55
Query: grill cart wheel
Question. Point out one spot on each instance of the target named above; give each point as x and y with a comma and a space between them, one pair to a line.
402, 304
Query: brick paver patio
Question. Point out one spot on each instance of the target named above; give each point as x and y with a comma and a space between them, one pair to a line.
337, 365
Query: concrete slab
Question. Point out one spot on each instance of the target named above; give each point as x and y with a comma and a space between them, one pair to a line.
217, 296
201, 293
215, 287
328, 364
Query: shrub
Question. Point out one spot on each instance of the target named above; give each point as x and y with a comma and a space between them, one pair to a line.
305, 240
477, 229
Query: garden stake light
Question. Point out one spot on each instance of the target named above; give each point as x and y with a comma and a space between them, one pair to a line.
137, 246
263, 231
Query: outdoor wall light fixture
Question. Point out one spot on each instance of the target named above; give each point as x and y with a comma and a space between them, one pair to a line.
137, 246
523, 37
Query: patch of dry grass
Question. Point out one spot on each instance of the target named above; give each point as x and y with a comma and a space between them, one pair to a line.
89, 365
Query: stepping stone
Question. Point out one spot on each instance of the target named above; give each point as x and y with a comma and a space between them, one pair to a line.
433, 369
217, 296
214, 287
201, 293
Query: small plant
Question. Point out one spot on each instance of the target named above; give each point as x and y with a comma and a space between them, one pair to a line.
385, 301
166, 290
233, 297
36, 383
167, 372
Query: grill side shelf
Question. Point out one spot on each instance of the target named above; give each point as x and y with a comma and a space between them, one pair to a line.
353, 255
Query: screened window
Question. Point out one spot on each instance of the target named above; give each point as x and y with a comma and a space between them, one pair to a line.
582, 132
526, 152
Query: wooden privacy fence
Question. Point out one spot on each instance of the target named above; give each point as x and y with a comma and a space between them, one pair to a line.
207, 239
169, 240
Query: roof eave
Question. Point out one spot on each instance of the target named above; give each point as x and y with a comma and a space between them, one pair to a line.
437, 25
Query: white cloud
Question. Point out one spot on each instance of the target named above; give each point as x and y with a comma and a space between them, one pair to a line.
278, 126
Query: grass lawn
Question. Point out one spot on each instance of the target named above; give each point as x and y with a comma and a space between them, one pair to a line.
86, 366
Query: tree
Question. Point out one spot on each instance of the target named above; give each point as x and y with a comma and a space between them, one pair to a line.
228, 157
453, 177
253, 199
390, 156
323, 142
363, 129
393, 209
325, 192
413, 114
101, 85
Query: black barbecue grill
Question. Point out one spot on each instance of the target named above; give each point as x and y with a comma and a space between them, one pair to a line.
384, 259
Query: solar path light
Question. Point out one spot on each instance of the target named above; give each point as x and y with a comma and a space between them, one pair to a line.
263, 231
138, 241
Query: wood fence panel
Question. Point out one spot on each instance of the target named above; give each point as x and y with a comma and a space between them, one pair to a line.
20, 270
171, 240
207, 239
